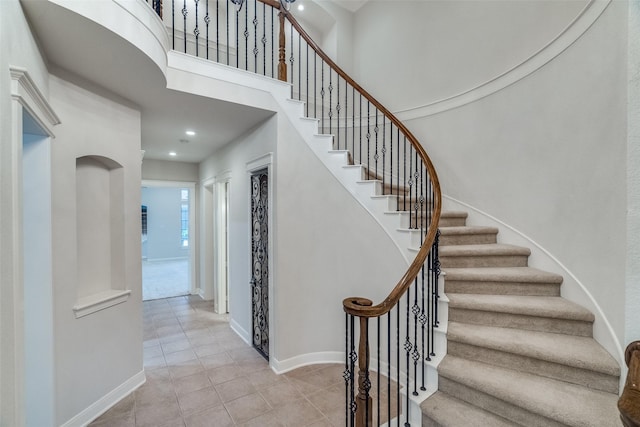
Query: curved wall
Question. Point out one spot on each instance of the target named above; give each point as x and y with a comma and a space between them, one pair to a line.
545, 155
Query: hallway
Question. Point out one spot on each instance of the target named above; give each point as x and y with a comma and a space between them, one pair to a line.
200, 373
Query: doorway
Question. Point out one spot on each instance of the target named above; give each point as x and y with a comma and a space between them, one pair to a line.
167, 235
260, 260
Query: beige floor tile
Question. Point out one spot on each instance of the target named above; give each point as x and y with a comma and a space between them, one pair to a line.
184, 369
324, 423
328, 399
199, 400
247, 407
216, 360
175, 346
212, 417
191, 383
266, 378
234, 389
180, 356
264, 420
158, 412
280, 394
154, 362
207, 349
298, 413
226, 373
153, 392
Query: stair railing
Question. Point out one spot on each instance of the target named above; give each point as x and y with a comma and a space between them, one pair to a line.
262, 36
629, 402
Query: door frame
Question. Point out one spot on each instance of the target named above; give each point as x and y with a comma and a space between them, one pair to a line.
221, 197
260, 163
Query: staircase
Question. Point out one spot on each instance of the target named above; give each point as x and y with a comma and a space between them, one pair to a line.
517, 352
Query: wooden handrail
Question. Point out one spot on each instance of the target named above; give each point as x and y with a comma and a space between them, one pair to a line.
353, 305
629, 402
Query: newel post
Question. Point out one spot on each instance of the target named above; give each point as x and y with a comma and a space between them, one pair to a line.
364, 411
282, 65
629, 402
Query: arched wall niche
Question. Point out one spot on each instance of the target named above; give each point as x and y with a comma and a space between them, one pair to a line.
100, 234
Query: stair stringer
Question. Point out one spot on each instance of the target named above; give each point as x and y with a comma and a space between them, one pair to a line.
572, 288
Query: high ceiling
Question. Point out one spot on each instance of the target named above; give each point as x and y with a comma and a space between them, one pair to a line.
78, 48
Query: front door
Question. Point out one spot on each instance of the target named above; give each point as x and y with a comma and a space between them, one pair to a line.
260, 261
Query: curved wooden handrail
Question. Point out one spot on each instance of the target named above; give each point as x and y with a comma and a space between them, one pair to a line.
355, 305
629, 402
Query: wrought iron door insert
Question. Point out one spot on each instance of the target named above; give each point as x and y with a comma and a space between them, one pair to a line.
260, 261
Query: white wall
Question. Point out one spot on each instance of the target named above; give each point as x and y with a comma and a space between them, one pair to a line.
99, 353
17, 48
165, 170
317, 228
435, 49
632, 297
164, 238
545, 155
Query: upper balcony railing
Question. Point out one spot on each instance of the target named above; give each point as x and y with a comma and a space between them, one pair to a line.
262, 36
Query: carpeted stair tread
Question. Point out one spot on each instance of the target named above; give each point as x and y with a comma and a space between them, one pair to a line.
447, 411
579, 352
503, 274
540, 306
562, 402
486, 250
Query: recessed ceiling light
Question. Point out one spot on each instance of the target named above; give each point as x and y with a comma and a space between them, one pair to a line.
190, 133
301, 7
172, 153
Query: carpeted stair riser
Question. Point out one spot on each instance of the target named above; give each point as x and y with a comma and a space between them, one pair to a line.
587, 378
447, 411
511, 320
494, 405
452, 219
501, 288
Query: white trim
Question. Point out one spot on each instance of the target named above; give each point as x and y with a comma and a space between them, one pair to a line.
262, 162
100, 301
221, 210
576, 28
242, 333
282, 366
25, 91
573, 289
106, 402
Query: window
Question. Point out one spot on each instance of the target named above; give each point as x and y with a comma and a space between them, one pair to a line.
184, 218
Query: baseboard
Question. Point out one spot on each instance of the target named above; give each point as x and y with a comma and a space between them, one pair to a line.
280, 367
242, 333
105, 403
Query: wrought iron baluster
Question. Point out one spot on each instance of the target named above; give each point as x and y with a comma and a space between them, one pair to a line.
353, 356
384, 156
378, 372
299, 67
291, 57
207, 20
338, 112
330, 101
307, 103
376, 155
347, 372
246, 37
398, 362
184, 25
389, 368
368, 136
264, 39
415, 354
407, 348
196, 30
322, 94
173, 24
255, 36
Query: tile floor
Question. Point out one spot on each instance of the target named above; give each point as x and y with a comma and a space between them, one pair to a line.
200, 373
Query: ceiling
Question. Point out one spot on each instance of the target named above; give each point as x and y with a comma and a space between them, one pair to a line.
106, 64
